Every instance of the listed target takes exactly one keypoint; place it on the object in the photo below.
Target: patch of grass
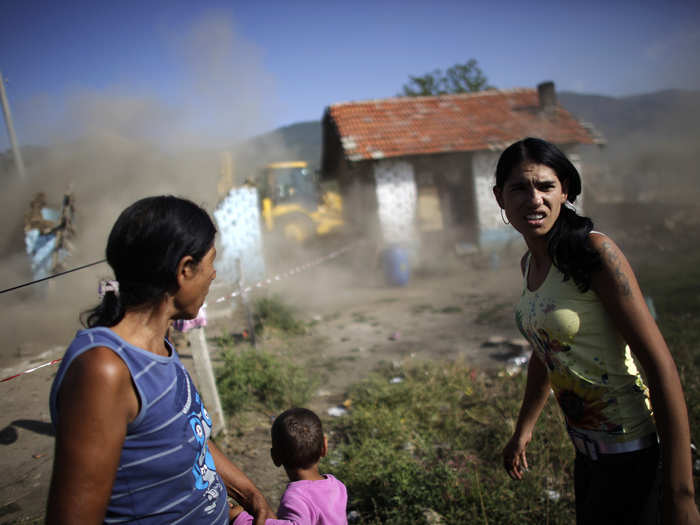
(361, 317)
(250, 378)
(420, 308)
(434, 441)
(273, 312)
(332, 317)
(451, 310)
(387, 300)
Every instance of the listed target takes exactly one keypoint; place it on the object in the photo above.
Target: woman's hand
(234, 511)
(514, 457)
(262, 511)
(681, 510)
(536, 395)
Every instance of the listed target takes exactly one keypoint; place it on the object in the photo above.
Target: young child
(311, 498)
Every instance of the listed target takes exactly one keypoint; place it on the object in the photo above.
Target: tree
(460, 78)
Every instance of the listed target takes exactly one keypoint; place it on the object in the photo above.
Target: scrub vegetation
(251, 378)
(427, 439)
(422, 439)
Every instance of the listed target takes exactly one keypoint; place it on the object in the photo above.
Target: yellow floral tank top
(591, 370)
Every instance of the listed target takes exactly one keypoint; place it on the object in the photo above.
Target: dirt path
(447, 312)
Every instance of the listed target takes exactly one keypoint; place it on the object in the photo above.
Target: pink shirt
(321, 502)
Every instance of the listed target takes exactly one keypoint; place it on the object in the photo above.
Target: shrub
(251, 378)
(274, 313)
(434, 441)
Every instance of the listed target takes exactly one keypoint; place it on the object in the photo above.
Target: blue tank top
(166, 474)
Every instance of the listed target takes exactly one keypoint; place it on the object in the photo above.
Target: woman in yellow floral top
(582, 311)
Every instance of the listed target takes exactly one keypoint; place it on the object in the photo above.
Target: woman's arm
(240, 487)
(622, 298)
(536, 395)
(96, 402)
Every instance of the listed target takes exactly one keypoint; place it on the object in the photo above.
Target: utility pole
(10, 128)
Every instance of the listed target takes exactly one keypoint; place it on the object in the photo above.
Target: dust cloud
(112, 147)
(642, 186)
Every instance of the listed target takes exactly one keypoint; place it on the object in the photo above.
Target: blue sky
(211, 73)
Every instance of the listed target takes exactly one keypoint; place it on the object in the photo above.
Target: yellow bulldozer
(293, 204)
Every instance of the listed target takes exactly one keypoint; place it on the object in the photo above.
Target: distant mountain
(663, 115)
(300, 141)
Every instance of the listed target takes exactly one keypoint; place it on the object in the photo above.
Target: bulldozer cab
(292, 204)
(288, 183)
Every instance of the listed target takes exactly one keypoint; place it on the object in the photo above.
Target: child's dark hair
(145, 246)
(297, 438)
(567, 241)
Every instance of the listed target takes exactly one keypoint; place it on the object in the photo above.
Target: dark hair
(147, 242)
(567, 241)
(297, 438)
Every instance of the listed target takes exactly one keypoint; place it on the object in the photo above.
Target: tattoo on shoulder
(611, 257)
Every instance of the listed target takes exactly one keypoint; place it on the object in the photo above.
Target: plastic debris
(432, 518)
(337, 411)
(495, 340)
(395, 336)
(395, 380)
(552, 495)
(513, 370)
(519, 360)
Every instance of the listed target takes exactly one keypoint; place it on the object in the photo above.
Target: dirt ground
(448, 310)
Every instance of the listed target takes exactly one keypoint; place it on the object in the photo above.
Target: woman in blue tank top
(132, 434)
(582, 311)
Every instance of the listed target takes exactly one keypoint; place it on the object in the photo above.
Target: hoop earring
(503, 217)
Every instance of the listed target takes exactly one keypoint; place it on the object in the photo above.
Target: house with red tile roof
(411, 168)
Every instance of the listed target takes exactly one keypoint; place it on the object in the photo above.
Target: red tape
(31, 370)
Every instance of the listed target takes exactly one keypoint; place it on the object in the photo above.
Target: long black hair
(144, 248)
(567, 241)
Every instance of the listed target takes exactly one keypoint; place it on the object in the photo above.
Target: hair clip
(108, 286)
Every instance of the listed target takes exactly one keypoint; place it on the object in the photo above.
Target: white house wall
(396, 201)
(238, 219)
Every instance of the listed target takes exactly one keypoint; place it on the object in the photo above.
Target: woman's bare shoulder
(605, 246)
(101, 363)
(98, 380)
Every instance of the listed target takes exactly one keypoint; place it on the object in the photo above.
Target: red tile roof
(485, 120)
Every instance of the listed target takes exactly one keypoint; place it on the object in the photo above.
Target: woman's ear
(185, 269)
(498, 193)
